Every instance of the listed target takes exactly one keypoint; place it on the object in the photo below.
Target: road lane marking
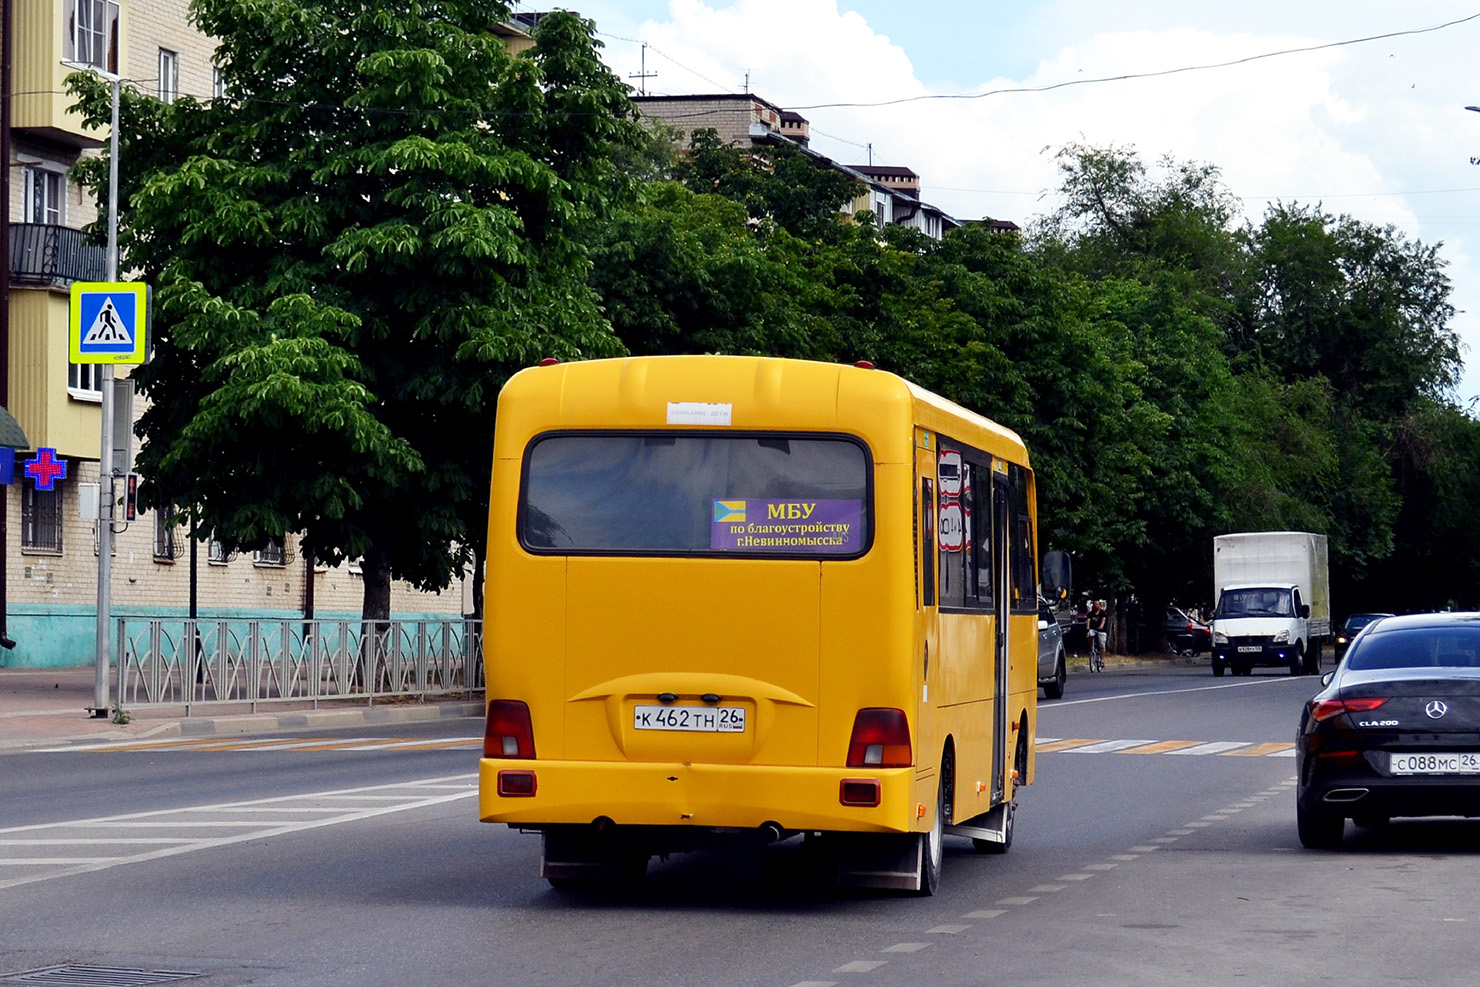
(298, 745)
(906, 947)
(1174, 692)
(1106, 747)
(1161, 747)
(293, 814)
(861, 966)
(1186, 748)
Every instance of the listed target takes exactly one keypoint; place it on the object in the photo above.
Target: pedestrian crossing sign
(108, 322)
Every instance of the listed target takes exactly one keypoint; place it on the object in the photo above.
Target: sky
(1374, 129)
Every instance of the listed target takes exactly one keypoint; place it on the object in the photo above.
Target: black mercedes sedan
(1395, 731)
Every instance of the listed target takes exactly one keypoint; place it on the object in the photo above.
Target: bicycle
(1096, 653)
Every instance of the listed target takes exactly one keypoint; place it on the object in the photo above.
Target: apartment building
(892, 194)
(50, 562)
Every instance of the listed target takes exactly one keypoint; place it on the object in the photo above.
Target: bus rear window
(696, 494)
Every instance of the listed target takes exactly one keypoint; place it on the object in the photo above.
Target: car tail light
(508, 732)
(881, 739)
(860, 791)
(1324, 709)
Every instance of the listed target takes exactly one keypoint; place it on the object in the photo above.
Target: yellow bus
(736, 598)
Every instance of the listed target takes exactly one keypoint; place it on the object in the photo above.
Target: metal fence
(47, 254)
(210, 662)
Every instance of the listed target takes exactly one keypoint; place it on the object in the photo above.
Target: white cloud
(1360, 128)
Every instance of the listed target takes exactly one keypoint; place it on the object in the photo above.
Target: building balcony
(47, 256)
(51, 40)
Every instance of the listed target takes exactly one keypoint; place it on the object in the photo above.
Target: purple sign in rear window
(831, 527)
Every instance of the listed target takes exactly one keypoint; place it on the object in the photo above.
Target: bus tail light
(508, 732)
(881, 739)
(860, 791)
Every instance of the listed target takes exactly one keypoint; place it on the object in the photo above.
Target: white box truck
(1273, 595)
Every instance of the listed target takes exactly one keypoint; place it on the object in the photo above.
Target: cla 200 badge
(1377, 723)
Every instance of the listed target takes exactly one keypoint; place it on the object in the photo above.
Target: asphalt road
(1156, 847)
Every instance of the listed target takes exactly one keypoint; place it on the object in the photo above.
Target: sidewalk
(49, 707)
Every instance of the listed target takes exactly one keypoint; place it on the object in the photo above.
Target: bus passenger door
(927, 637)
(1000, 607)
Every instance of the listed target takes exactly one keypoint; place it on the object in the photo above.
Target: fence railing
(211, 662)
(43, 253)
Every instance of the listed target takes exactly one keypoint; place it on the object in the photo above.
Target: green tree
(379, 222)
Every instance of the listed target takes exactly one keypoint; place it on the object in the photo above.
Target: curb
(254, 723)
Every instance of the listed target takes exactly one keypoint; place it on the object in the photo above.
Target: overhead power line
(1139, 75)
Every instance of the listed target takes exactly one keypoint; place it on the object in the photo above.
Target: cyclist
(1095, 632)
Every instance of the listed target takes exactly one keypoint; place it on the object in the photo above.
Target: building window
(41, 518)
(270, 554)
(216, 551)
(92, 34)
(169, 75)
(218, 84)
(43, 198)
(164, 533)
(85, 381)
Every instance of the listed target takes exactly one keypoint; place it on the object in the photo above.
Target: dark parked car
(1348, 630)
(1185, 635)
(1396, 730)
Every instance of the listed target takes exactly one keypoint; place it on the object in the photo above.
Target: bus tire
(932, 844)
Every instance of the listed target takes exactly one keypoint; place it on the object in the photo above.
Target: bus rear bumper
(721, 796)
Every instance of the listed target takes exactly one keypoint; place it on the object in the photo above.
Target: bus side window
(981, 509)
(1022, 564)
(927, 528)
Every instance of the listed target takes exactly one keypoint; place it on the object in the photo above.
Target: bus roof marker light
(864, 364)
(549, 361)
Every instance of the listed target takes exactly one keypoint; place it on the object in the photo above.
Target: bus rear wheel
(931, 845)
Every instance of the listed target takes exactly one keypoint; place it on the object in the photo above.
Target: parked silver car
(1051, 667)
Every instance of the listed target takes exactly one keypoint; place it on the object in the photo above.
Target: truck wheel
(1297, 664)
(1217, 669)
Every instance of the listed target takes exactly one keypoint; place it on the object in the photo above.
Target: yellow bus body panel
(802, 644)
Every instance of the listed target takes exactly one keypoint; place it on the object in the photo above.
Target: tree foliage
(383, 217)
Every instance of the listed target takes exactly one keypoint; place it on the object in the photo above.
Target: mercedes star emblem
(1436, 709)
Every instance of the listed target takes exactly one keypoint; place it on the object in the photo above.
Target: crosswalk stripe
(1107, 747)
(1161, 747)
(1217, 747)
(1062, 745)
(1261, 750)
(1222, 748)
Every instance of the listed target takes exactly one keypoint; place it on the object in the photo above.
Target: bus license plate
(1434, 764)
(695, 719)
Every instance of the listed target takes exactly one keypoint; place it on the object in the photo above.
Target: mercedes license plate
(695, 719)
(1249, 647)
(1434, 764)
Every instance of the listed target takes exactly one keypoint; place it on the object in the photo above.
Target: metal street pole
(105, 451)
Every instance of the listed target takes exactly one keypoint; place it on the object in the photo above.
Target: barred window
(41, 518)
(270, 553)
(164, 533)
(216, 551)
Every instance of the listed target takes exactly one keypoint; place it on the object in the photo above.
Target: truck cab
(1261, 624)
